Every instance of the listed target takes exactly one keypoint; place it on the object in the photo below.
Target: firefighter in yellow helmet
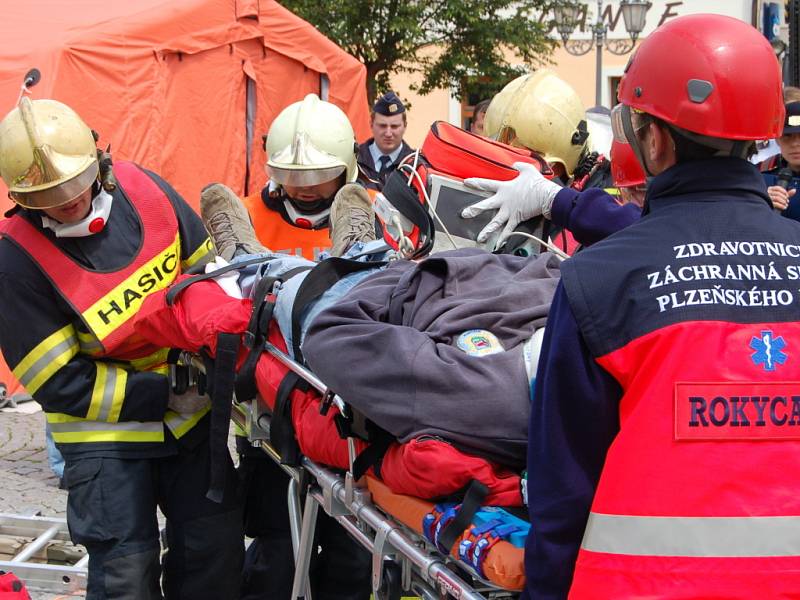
(541, 112)
(77, 258)
(312, 170)
(311, 150)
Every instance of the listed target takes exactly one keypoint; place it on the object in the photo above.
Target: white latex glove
(526, 196)
(229, 281)
(187, 403)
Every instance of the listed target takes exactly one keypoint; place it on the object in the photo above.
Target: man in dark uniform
(650, 471)
(77, 258)
(380, 155)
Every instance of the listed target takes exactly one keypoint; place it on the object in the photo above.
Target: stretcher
(388, 525)
(455, 548)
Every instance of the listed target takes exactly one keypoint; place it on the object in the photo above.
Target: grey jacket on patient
(436, 348)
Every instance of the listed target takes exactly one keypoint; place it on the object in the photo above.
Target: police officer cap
(792, 124)
(389, 104)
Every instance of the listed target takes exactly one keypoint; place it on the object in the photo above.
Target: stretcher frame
(402, 560)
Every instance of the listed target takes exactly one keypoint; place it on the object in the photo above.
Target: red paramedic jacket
(695, 311)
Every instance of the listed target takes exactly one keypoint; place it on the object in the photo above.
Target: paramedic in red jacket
(76, 261)
(663, 435)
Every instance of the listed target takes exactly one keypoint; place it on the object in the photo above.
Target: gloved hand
(526, 196)
(187, 403)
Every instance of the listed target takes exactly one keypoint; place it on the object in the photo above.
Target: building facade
(580, 71)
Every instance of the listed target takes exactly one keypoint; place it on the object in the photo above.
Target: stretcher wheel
(391, 582)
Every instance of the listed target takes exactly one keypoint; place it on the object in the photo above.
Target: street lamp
(566, 14)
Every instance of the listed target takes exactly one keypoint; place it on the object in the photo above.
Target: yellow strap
(204, 253)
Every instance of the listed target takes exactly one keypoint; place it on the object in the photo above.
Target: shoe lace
(221, 229)
(358, 224)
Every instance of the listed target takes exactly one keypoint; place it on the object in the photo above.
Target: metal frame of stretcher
(402, 560)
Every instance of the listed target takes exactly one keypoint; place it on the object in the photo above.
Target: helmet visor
(294, 176)
(57, 195)
(625, 132)
(622, 125)
(617, 123)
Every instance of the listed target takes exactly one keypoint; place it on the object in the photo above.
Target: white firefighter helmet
(311, 142)
(541, 112)
(48, 155)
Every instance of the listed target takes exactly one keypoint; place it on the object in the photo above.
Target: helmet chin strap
(92, 223)
(315, 219)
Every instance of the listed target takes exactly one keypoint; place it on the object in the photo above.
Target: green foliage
(471, 36)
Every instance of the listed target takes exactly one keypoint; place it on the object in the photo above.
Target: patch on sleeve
(479, 342)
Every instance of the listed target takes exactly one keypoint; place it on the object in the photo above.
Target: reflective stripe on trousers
(693, 536)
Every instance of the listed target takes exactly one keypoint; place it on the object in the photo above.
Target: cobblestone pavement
(27, 486)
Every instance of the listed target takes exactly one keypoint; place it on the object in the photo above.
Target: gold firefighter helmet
(541, 112)
(311, 142)
(48, 155)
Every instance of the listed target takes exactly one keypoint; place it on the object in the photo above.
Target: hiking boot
(228, 222)
(352, 218)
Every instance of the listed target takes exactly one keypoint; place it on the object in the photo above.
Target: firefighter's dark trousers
(111, 510)
(340, 568)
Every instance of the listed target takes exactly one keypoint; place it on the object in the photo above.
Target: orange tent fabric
(168, 82)
(12, 385)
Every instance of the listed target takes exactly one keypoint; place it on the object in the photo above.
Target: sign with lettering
(660, 12)
(737, 411)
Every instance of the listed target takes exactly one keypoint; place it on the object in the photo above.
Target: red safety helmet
(709, 74)
(625, 169)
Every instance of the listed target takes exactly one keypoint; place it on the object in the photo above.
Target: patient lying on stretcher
(439, 353)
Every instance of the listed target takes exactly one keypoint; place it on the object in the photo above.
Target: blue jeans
(278, 264)
(54, 458)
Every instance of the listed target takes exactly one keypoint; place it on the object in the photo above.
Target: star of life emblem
(768, 350)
